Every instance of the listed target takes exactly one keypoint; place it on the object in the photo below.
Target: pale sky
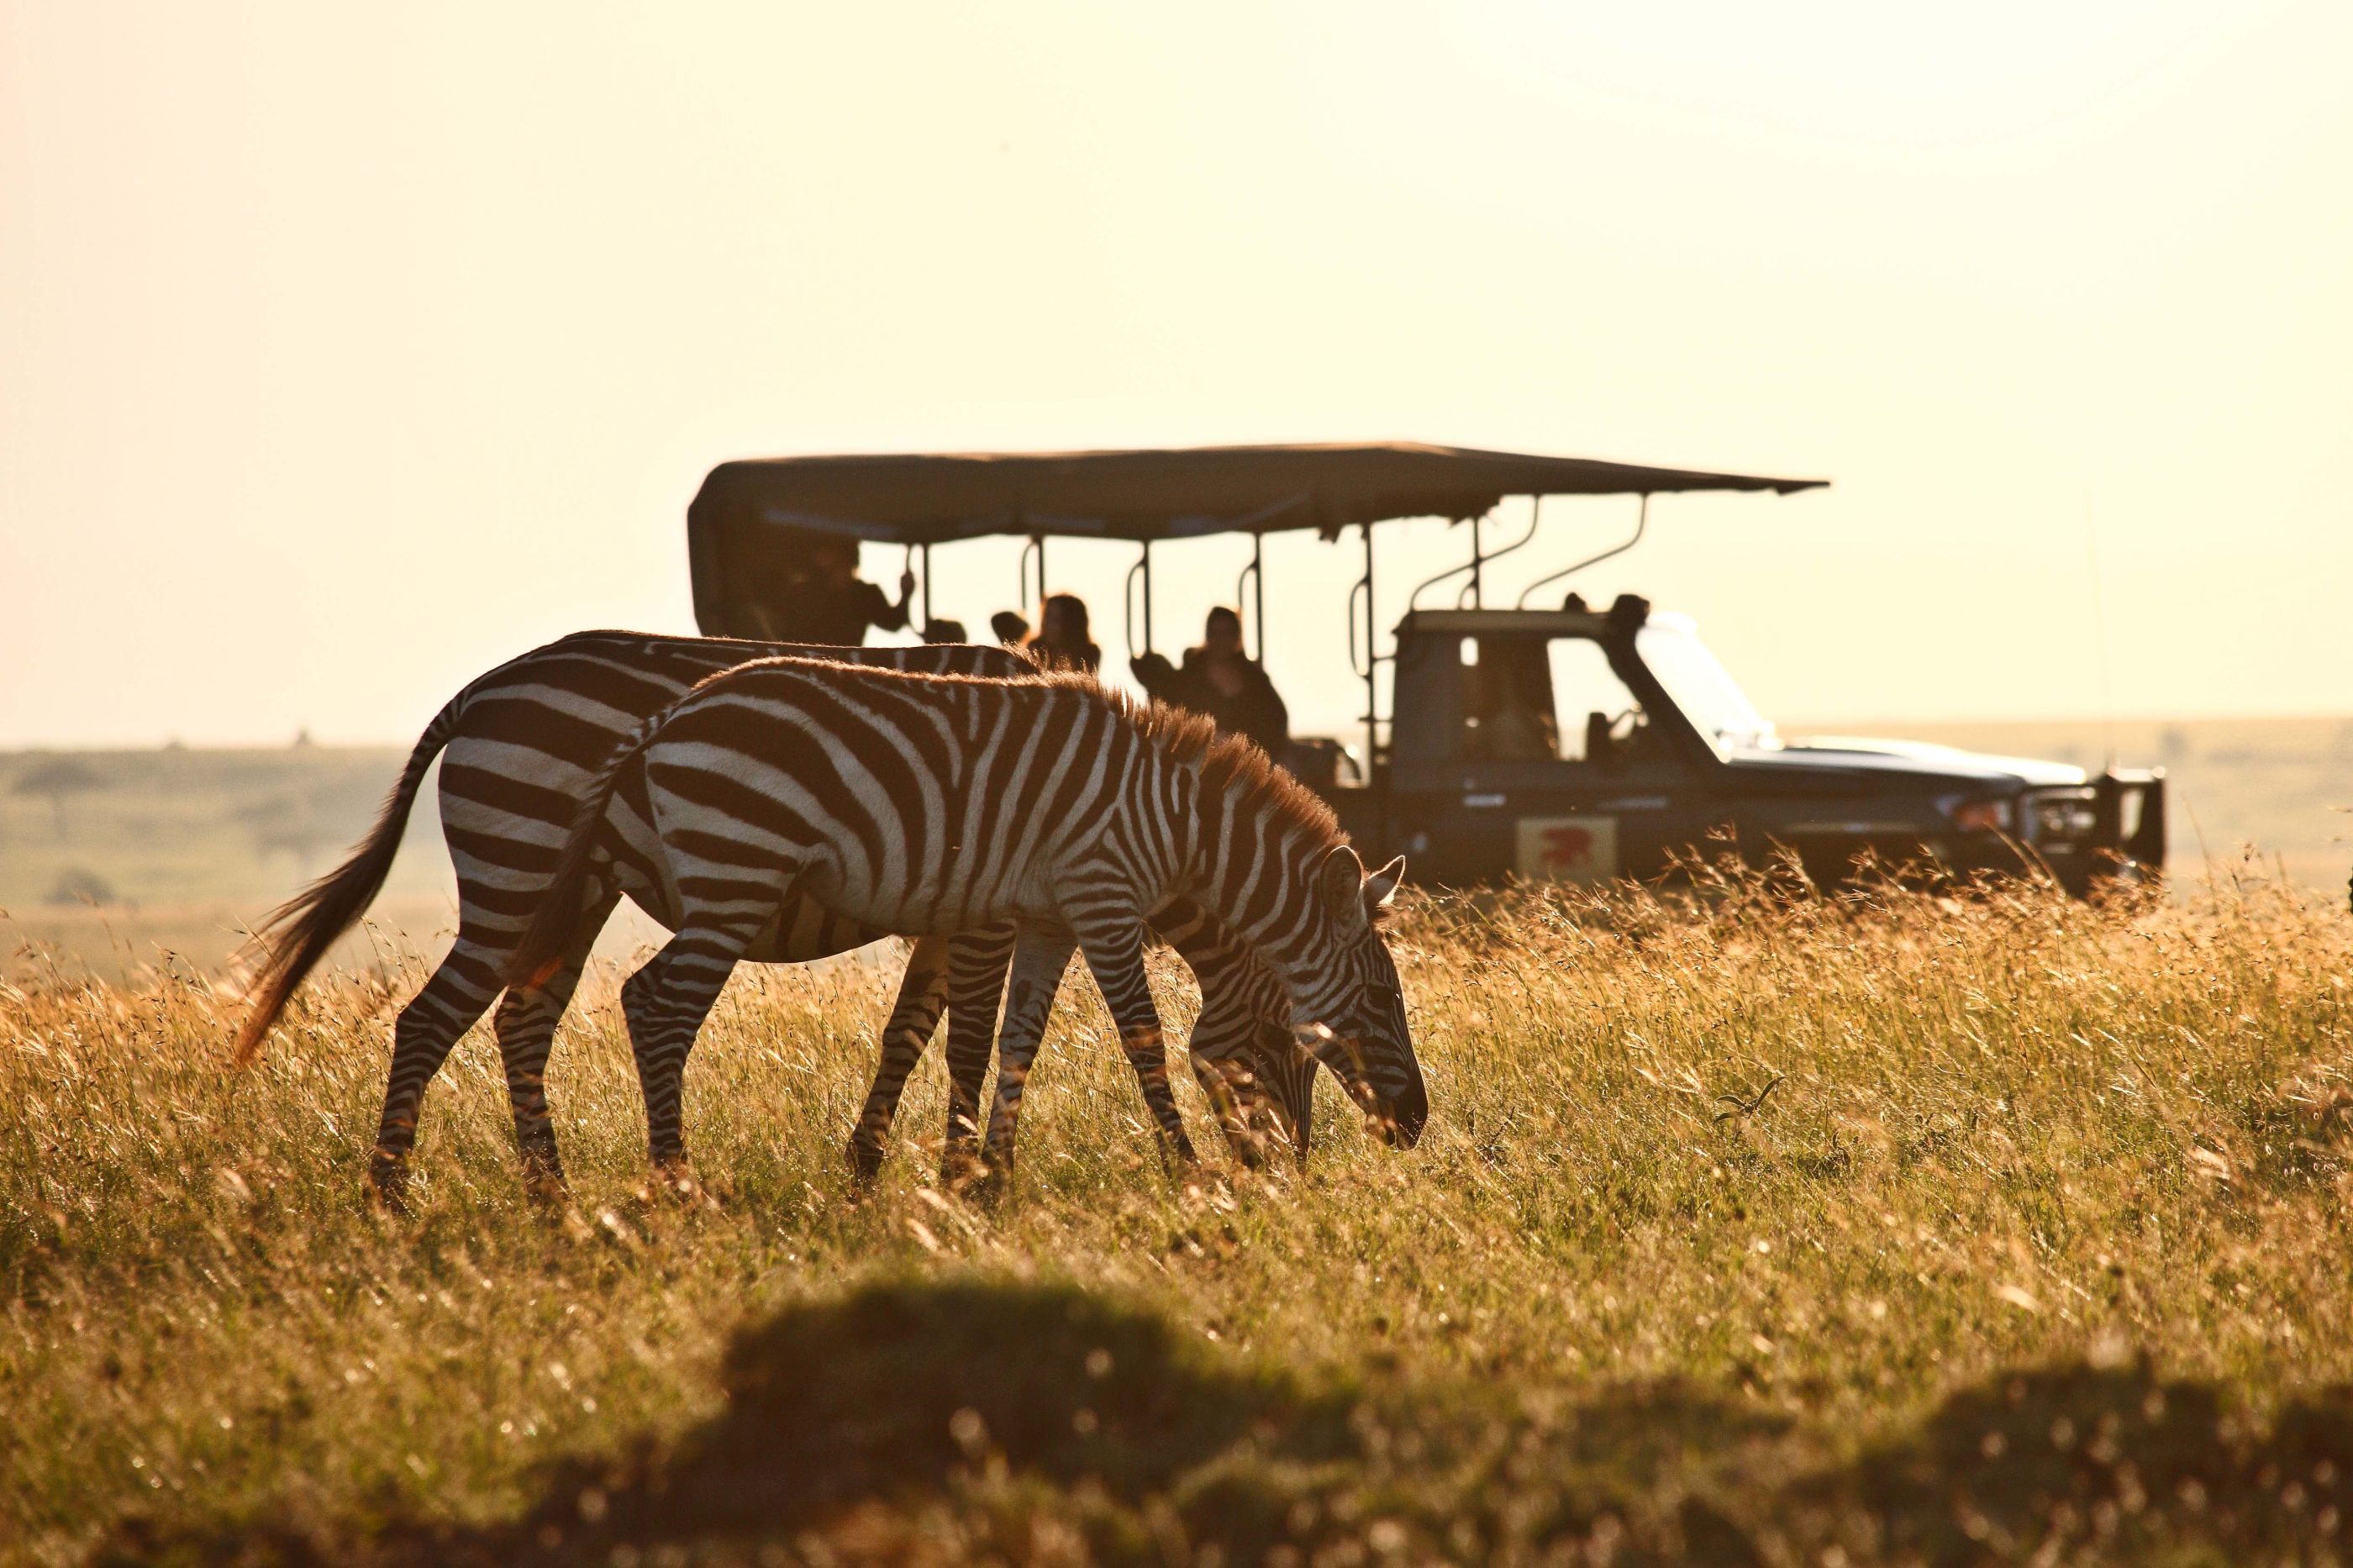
(346, 351)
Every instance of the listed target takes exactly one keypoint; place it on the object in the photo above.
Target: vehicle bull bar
(2129, 817)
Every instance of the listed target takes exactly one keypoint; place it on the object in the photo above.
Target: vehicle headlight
(1982, 816)
(2061, 815)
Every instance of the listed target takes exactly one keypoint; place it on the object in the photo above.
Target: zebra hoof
(962, 1170)
(387, 1187)
(543, 1187)
(865, 1164)
(983, 1179)
(1248, 1147)
(673, 1180)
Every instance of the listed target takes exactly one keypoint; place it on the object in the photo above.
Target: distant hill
(177, 826)
(107, 857)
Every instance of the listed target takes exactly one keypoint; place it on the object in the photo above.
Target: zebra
(521, 741)
(936, 804)
(1259, 1085)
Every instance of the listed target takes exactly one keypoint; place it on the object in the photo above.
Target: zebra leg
(1244, 1031)
(459, 989)
(664, 1016)
(1272, 1080)
(1039, 961)
(1219, 1050)
(976, 971)
(1230, 1085)
(1290, 1073)
(923, 994)
(640, 998)
(1115, 953)
(526, 1023)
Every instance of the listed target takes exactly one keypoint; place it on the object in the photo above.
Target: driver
(1513, 726)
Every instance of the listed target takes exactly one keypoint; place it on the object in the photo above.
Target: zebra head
(1364, 1037)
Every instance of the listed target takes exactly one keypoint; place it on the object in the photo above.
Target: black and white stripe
(1259, 1080)
(518, 746)
(1259, 1085)
(938, 806)
(522, 742)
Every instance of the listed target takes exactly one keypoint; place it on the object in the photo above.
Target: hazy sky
(346, 350)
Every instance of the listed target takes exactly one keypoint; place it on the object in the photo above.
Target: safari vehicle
(1569, 743)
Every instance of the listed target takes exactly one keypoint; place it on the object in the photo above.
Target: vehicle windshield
(1700, 686)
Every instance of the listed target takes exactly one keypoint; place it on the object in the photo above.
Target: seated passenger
(1062, 640)
(822, 600)
(1221, 682)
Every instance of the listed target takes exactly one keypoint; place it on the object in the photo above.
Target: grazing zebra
(939, 805)
(1259, 1083)
(521, 743)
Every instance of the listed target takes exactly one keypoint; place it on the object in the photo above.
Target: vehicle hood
(1848, 754)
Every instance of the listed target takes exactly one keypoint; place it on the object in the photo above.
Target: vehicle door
(1560, 774)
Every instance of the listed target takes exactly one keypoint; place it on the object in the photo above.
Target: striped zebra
(939, 805)
(1259, 1084)
(520, 744)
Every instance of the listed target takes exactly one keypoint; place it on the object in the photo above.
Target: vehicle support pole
(927, 585)
(1142, 568)
(1477, 560)
(1041, 578)
(1372, 664)
(1257, 591)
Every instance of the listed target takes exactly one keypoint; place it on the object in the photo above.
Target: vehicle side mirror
(1598, 746)
(1628, 614)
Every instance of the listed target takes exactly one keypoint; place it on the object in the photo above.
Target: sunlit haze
(345, 351)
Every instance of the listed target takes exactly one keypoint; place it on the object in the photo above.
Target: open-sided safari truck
(1559, 740)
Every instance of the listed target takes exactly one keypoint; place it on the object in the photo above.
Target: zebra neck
(1251, 870)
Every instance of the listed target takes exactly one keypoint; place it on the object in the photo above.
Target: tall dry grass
(1758, 1196)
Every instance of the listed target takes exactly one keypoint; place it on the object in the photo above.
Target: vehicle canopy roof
(1574, 623)
(1150, 495)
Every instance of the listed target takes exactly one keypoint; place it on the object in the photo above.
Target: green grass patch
(1912, 1231)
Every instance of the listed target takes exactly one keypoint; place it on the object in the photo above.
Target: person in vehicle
(1222, 683)
(821, 600)
(1010, 628)
(1513, 725)
(943, 630)
(1062, 640)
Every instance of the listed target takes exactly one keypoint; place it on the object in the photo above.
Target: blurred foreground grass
(1914, 1230)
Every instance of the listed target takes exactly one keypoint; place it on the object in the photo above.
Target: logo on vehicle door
(1580, 849)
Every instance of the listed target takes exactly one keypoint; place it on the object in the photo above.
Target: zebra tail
(547, 940)
(288, 944)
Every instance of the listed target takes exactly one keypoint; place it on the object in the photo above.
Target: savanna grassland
(109, 858)
(1900, 1230)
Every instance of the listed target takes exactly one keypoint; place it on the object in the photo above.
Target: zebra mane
(1228, 761)
(1234, 761)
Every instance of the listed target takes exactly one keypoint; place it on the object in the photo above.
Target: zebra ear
(1340, 880)
(1382, 885)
